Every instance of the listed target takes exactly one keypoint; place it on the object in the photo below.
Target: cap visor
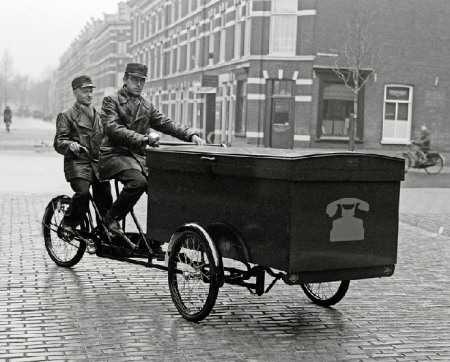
(138, 75)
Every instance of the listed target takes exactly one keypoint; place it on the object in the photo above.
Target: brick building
(259, 72)
(101, 50)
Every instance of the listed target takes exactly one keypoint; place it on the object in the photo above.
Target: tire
(326, 294)
(63, 252)
(438, 164)
(193, 276)
(406, 157)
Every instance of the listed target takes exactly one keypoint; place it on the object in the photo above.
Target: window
(336, 109)
(284, 27)
(237, 36)
(223, 34)
(188, 50)
(247, 36)
(397, 114)
(241, 108)
(222, 45)
(211, 42)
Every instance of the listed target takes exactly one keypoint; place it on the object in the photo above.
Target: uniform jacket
(123, 147)
(74, 125)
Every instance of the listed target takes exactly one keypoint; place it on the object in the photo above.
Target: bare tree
(6, 65)
(358, 57)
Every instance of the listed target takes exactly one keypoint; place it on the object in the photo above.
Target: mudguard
(50, 207)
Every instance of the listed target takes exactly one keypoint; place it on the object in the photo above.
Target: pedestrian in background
(78, 137)
(127, 119)
(7, 117)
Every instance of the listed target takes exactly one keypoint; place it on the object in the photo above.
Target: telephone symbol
(347, 227)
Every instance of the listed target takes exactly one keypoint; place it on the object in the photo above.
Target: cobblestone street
(107, 310)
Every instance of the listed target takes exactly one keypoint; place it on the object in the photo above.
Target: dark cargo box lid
(294, 165)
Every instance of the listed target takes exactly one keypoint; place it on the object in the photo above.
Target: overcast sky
(37, 32)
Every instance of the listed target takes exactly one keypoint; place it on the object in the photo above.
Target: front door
(281, 132)
(281, 114)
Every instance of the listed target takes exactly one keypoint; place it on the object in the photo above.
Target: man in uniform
(127, 119)
(79, 132)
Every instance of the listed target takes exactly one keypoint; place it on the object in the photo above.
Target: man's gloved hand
(152, 139)
(199, 141)
(75, 147)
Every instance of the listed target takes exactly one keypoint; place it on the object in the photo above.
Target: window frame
(396, 140)
(273, 41)
(327, 76)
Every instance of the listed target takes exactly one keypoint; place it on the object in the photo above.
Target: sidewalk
(426, 208)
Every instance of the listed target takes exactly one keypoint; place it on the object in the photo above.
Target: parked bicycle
(433, 164)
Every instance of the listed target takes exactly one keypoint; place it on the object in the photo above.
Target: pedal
(122, 237)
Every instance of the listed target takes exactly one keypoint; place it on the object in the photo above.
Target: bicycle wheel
(193, 276)
(64, 252)
(326, 294)
(436, 164)
(406, 157)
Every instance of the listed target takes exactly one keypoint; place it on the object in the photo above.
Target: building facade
(260, 72)
(101, 50)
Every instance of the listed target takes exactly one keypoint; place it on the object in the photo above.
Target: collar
(125, 96)
(80, 116)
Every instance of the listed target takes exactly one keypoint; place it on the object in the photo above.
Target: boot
(113, 226)
(65, 230)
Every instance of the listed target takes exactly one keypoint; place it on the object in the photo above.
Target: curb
(426, 225)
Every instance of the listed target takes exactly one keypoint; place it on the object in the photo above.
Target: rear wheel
(326, 294)
(193, 276)
(65, 252)
(436, 163)
(407, 159)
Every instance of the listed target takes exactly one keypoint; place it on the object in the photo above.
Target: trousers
(101, 193)
(134, 185)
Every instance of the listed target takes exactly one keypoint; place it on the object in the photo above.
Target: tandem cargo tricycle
(241, 215)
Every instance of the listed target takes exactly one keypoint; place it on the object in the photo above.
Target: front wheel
(407, 159)
(64, 252)
(326, 294)
(434, 163)
(193, 276)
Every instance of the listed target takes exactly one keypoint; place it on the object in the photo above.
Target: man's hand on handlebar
(199, 141)
(75, 147)
(152, 139)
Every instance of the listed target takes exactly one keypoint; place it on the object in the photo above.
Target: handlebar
(181, 143)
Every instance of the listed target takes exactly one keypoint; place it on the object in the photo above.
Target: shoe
(65, 230)
(113, 226)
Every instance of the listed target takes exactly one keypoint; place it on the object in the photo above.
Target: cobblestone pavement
(104, 310)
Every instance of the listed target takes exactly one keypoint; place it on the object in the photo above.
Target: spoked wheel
(406, 157)
(436, 163)
(64, 252)
(193, 276)
(326, 294)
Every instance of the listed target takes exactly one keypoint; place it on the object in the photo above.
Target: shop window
(397, 114)
(335, 111)
(284, 27)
